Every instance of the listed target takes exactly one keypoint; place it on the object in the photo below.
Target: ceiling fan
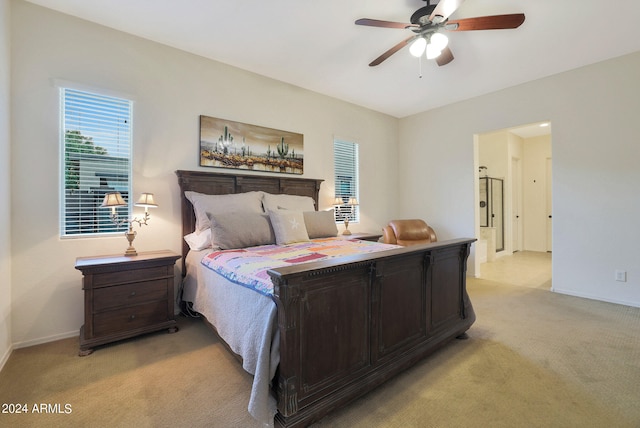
(427, 24)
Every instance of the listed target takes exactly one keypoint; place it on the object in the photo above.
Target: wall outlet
(621, 275)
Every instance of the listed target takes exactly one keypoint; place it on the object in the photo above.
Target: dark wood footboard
(347, 326)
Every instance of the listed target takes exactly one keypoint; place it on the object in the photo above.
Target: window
(96, 145)
(345, 159)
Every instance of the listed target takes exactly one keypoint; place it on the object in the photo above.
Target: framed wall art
(228, 144)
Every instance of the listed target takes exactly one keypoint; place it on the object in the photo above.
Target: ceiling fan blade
(444, 9)
(494, 22)
(445, 57)
(383, 24)
(391, 51)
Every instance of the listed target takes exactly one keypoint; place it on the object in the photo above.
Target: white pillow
(273, 202)
(199, 240)
(288, 226)
(221, 204)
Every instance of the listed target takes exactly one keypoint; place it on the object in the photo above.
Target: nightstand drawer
(130, 275)
(129, 294)
(130, 318)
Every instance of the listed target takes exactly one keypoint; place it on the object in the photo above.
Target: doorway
(520, 158)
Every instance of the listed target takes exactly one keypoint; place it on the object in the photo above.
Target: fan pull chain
(420, 66)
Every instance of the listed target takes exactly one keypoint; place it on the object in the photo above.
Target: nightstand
(126, 296)
(373, 237)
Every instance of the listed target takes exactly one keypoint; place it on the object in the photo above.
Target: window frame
(90, 220)
(346, 174)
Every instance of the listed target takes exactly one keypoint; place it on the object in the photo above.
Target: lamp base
(131, 252)
(130, 235)
(346, 227)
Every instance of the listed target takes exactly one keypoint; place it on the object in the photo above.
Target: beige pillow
(288, 226)
(220, 204)
(272, 202)
(320, 224)
(241, 230)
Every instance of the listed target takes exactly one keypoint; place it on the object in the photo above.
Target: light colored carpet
(534, 359)
(524, 268)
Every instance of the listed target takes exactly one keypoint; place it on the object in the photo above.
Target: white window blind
(96, 145)
(345, 159)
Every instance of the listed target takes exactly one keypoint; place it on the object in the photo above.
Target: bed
(332, 329)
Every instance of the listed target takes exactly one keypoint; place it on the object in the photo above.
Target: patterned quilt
(248, 266)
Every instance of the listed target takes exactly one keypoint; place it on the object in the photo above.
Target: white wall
(493, 149)
(595, 173)
(170, 89)
(5, 185)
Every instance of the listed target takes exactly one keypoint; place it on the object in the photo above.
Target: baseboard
(47, 339)
(591, 297)
(5, 357)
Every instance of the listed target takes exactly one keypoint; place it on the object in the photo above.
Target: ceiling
(314, 44)
(532, 130)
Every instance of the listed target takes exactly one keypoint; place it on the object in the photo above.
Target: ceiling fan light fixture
(433, 51)
(426, 24)
(417, 47)
(439, 41)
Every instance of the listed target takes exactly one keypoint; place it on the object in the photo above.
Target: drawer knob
(133, 293)
(132, 317)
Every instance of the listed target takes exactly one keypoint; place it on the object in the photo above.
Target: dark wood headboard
(213, 183)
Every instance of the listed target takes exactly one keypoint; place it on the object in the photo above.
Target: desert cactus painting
(228, 144)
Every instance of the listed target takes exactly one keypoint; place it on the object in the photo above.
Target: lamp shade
(113, 199)
(417, 47)
(439, 41)
(353, 201)
(146, 200)
(433, 51)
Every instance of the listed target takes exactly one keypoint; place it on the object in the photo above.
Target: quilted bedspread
(248, 266)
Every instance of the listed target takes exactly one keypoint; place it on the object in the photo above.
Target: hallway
(525, 269)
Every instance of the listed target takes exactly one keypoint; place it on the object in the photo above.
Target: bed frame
(349, 324)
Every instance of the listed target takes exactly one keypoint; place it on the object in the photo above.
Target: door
(548, 205)
(496, 202)
(516, 205)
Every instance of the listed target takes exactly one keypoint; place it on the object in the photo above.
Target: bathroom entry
(492, 206)
(514, 166)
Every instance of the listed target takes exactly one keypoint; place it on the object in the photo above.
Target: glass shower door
(492, 207)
